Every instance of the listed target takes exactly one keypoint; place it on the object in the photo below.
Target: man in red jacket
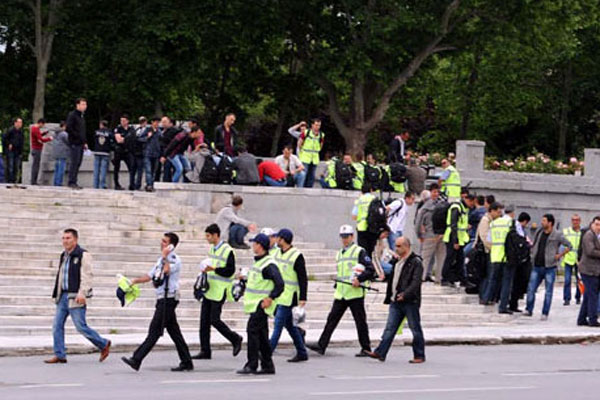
(37, 145)
(271, 174)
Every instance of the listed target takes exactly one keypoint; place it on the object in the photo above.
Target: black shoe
(131, 362)
(243, 246)
(584, 323)
(237, 346)
(447, 284)
(246, 371)
(316, 348)
(201, 356)
(595, 324)
(266, 371)
(363, 353)
(505, 312)
(76, 187)
(183, 367)
(528, 313)
(578, 302)
(149, 189)
(298, 358)
(515, 310)
(429, 279)
(119, 187)
(566, 303)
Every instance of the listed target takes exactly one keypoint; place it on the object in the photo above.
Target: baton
(360, 286)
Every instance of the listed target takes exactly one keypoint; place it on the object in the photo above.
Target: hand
(252, 228)
(381, 277)
(150, 133)
(80, 299)
(163, 160)
(557, 257)
(400, 297)
(165, 252)
(456, 246)
(355, 283)
(266, 303)
(302, 303)
(208, 268)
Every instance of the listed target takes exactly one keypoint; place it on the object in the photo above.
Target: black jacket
(15, 137)
(74, 271)
(103, 141)
(129, 136)
(220, 138)
(76, 128)
(409, 283)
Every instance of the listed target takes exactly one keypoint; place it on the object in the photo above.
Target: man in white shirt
(292, 166)
(397, 212)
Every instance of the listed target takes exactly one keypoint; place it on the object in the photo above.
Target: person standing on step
(61, 151)
(310, 144)
(37, 145)
(397, 212)
(455, 237)
(292, 267)
(220, 276)
(14, 140)
(72, 288)
(354, 269)
(569, 262)
(264, 286)
(403, 294)
(165, 278)
(77, 139)
(589, 266)
(124, 134)
(102, 147)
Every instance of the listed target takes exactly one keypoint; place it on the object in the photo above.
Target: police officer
(272, 235)
(165, 277)
(292, 267)
(123, 136)
(367, 240)
(353, 268)
(264, 286)
(569, 262)
(310, 145)
(450, 180)
(499, 229)
(455, 237)
(220, 276)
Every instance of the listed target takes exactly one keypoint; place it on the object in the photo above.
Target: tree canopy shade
(516, 73)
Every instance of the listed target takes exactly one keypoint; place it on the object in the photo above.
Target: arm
(172, 145)
(86, 278)
(231, 216)
(454, 215)
(566, 244)
(589, 248)
(369, 272)
(298, 163)
(300, 268)
(229, 268)
(271, 272)
(294, 131)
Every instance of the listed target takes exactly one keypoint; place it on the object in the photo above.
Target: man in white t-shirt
(397, 212)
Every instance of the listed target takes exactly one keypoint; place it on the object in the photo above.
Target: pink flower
(573, 160)
(581, 163)
(531, 159)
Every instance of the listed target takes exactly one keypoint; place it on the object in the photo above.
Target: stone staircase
(122, 231)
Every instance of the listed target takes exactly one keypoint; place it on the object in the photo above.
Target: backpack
(343, 176)
(210, 171)
(372, 175)
(516, 248)
(439, 216)
(397, 172)
(225, 171)
(376, 216)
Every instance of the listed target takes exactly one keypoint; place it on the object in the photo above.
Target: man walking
(354, 268)
(292, 267)
(72, 288)
(310, 145)
(545, 254)
(102, 147)
(220, 274)
(37, 145)
(165, 278)
(403, 294)
(569, 262)
(265, 284)
(589, 266)
(77, 139)
(14, 140)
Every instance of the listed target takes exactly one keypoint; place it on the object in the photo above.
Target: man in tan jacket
(72, 288)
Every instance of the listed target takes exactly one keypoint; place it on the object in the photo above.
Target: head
(496, 210)
(213, 234)
(41, 122)
(302, 127)
(124, 120)
(409, 198)
(346, 235)
(237, 202)
(402, 247)
(195, 133)
(155, 121)
(359, 156)
(445, 163)
(489, 200)
(18, 123)
(347, 159)
(510, 211)
(166, 122)
(548, 222)
(103, 124)
(425, 195)
(434, 188)
(81, 104)
(285, 238)
(524, 219)
(143, 121)
(595, 226)
(480, 201)
(169, 238)
(260, 244)
(192, 122)
(69, 239)
(315, 125)
(366, 188)
(371, 160)
(271, 234)
(576, 222)
(464, 192)
(469, 200)
(287, 151)
(229, 119)
(63, 125)
(405, 136)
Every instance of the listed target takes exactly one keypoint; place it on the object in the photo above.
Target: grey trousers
(433, 252)
(36, 156)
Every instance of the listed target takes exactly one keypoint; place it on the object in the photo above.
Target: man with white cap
(272, 235)
(354, 269)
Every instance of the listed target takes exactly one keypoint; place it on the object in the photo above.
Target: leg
(266, 355)
(295, 334)
(549, 277)
(310, 175)
(139, 171)
(149, 169)
(577, 291)
(280, 317)
(333, 319)
(448, 263)
(394, 319)
(492, 284)
(178, 168)
(175, 333)
(154, 333)
(78, 317)
(205, 327)
(414, 321)
(237, 233)
(1, 168)
(586, 304)
(10, 167)
(58, 327)
(97, 162)
(253, 333)
(75, 163)
(130, 162)
(63, 167)
(440, 257)
(216, 321)
(357, 307)
(534, 282)
(117, 169)
(103, 171)
(507, 285)
(300, 178)
(567, 285)
(272, 182)
(35, 167)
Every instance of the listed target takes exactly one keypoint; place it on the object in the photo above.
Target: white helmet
(267, 231)
(346, 230)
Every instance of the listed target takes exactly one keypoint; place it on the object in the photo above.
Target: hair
(228, 114)
(194, 120)
(480, 200)
(80, 99)
(173, 238)
(496, 206)
(213, 229)
(596, 218)
(471, 196)
(17, 119)
(434, 186)
(237, 201)
(490, 199)
(549, 218)
(41, 121)
(366, 187)
(409, 194)
(289, 147)
(425, 195)
(155, 118)
(314, 120)
(73, 232)
(524, 217)
(464, 190)
(126, 116)
(104, 123)
(169, 118)
(62, 123)
(194, 129)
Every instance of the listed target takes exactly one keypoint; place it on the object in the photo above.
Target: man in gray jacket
(545, 255)
(589, 267)
(233, 227)
(432, 245)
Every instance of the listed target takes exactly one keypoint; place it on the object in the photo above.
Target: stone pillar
(470, 155)
(592, 163)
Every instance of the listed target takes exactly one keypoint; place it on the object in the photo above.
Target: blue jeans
(150, 164)
(569, 270)
(59, 171)
(310, 169)
(138, 163)
(283, 318)
(100, 170)
(392, 239)
(180, 163)
(1, 168)
(14, 164)
(508, 275)
(237, 233)
(300, 178)
(387, 267)
(588, 314)
(397, 313)
(537, 275)
(323, 184)
(272, 182)
(484, 283)
(493, 282)
(78, 317)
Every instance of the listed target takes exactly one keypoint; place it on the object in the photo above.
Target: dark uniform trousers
(357, 307)
(157, 328)
(367, 240)
(129, 160)
(259, 347)
(210, 315)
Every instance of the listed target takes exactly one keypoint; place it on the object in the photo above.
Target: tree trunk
(39, 99)
(563, 123)
(278, 131)
(356, 140)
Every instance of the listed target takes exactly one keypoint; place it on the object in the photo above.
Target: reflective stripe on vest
(309, 153)
(258, 288)
(451, 186)
(285, 264)
(574, 238)
(345, 262)
(219, 285)
(499, 229)
(362, 204)
(462, 226)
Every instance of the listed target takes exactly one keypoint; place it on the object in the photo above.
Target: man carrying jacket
(403, 294)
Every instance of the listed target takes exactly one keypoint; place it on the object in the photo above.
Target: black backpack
(343, 176)
(376, 216)
(397, 172)
(439, 216)
(372, 176)
(516, 247)
(225, 171)
(209, 172)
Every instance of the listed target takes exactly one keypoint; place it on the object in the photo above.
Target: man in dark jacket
(397, 149)
(167, 134)
(403, 294)
(226, 136)
(77, 139)
(517, 247)
(151, 138)
(124, 134)
(14, 141)
(589, 267)
(247, 170)
(176, 149)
